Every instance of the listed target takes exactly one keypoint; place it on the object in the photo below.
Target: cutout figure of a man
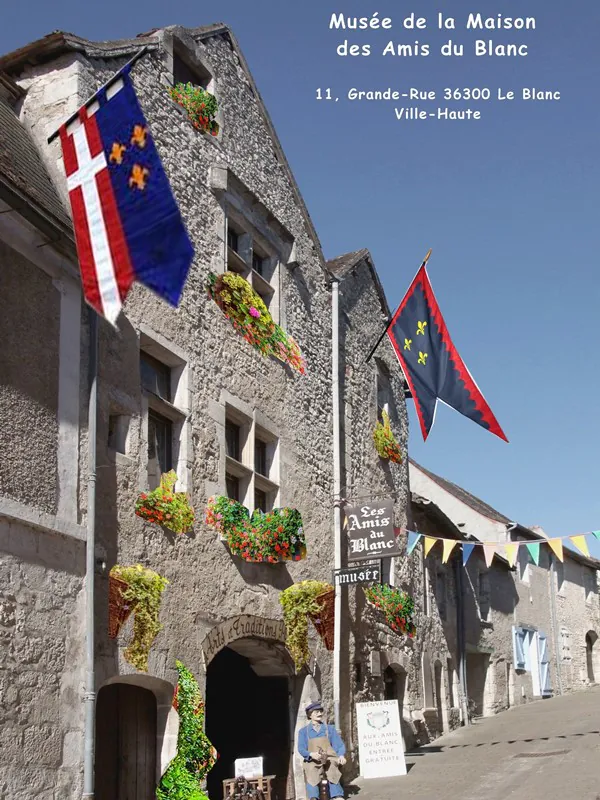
(320, 746)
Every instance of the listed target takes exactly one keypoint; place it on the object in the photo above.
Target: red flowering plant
(397, 606)
(165, 507)
(251, 318)
(200, 105)
(269, 537)
(385, 441)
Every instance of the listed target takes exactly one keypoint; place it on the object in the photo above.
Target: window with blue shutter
(518, 647)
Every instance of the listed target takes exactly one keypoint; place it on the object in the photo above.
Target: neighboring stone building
(531, 631)
(180, 388)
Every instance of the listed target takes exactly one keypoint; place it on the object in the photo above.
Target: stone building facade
(529, 631)
(180, 388)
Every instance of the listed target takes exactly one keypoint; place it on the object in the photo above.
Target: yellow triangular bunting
(489, 551)
(512, 551)
(557, 547)
(449, 545)
(429, 542)
(580, 543)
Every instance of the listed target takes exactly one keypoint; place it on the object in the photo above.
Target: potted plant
(165, 507)
(251, 318)
(300, 601)
(195, 754)
(144, 591)
(398, 607)
(269, 537)
(200, 106)
(385, 441)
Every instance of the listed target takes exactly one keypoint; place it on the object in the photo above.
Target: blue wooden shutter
(518, 647)
(545, 684)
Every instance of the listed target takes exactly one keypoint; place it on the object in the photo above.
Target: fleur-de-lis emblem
(138, 177)
(422, 358)
(421, 328)
(139, 136)
(407, 344)
(116, 153)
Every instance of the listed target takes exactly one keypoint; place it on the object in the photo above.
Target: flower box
(165, 507)
(385, 441)
(251, 318)
(199, 105)
(398, 608)
(270, 537)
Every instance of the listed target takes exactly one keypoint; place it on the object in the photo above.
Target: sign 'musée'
(241, 627)
(371, 530)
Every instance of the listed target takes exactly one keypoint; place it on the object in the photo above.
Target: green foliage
(251, 318)
(385, 441)
(201, 106)
(298, 601)
(397, 606)
(163, 506)
(145, 588)
(195, 754)
(273, 536)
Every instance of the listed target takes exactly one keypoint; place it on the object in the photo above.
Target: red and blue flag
(127, 224)
(430, 362)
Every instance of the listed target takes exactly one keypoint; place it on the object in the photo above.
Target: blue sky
(508, 203)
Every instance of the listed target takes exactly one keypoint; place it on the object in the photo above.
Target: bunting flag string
(508, 550)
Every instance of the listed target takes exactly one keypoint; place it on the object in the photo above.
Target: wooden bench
(263, 785)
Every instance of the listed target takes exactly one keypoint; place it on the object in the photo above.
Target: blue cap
(313, 707)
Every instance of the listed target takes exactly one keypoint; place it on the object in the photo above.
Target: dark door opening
(246, 715)
(590, 640)
(125, 767)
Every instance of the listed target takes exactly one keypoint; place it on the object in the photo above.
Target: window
(484, 596)
(183, 72)
(254, 262)
(559, 568)
(251, 466)
(440, 593)
(160, 450)
(258, 262)
(523, 564)
(384, 390)
(164, 378)
(591, 584)
(232, 239)
(156, 376)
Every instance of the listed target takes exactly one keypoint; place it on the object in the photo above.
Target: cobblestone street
(547, 749)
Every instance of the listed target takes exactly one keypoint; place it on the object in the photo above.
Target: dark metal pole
(89, 697)
(391, 319)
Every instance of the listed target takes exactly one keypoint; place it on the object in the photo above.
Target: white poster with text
(381, 751)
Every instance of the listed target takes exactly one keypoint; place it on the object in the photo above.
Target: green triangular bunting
(534, 552)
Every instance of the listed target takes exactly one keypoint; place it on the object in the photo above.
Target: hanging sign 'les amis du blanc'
(370, 528)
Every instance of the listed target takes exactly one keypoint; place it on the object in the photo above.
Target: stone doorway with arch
(136, 736)
(592, 651)
(251, 704)
(394, 683)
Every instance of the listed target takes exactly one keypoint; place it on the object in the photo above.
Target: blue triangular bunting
(467, 549)
(413, 538)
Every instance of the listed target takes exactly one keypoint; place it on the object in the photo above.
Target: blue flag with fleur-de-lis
(430, 362)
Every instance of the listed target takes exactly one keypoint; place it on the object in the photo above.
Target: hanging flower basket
(269, 537)
(142, 590)
(324, 621)
(398, 608)
(165, 507)
(200, 106)
(195, 754)
(119, 608)
(299, 602)
(251, 318)
(385, 441)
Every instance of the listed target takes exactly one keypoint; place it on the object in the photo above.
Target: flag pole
(387, 327)
(110, 81)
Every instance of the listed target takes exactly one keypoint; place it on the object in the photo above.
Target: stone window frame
(254, 426)
(484, 606)
(590, 585)
(178, 412)
(257, 229)
(524, 565)
(179, 45)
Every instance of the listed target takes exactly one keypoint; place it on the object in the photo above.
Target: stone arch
(167, 719)
(592, 652)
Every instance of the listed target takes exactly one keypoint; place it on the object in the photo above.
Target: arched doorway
(248, 713)
(125, 763)
(591, 638)
(439, 705)
(394, 682)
